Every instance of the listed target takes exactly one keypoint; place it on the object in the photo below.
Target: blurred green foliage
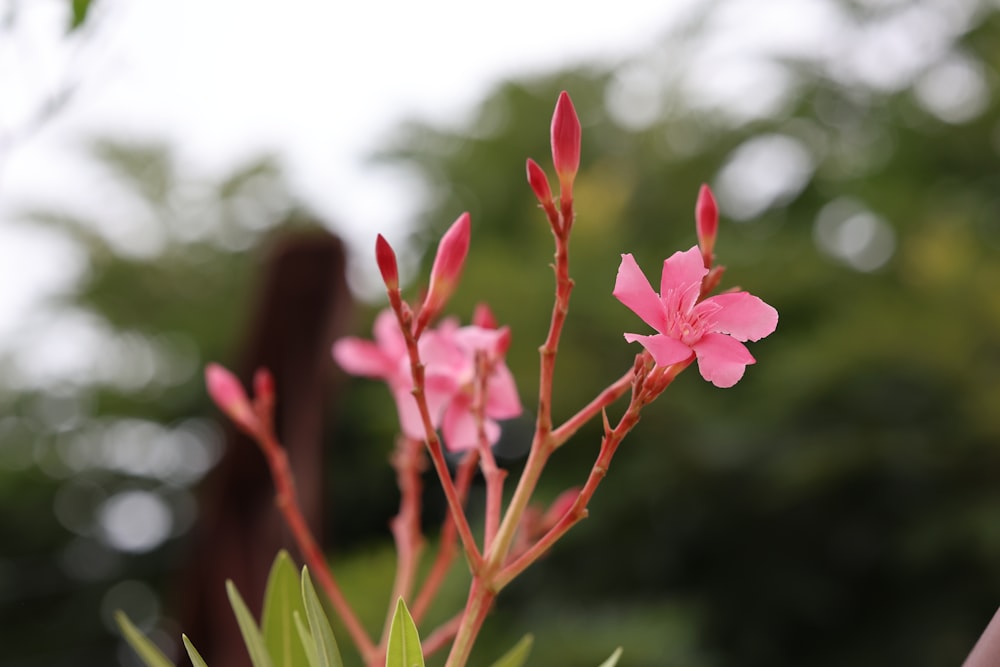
(839, 506)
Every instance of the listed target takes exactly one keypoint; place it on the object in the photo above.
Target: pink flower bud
(565, 143)
(483, 317)
(447, 269)
(706, 215)
(539, 183)
(386, 260)
(263, 385)
(229, 396)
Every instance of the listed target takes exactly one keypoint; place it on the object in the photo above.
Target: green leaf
(517, 656)
(196, 658)
(307, 641)
(404, 641)
(79, 13)
(147, 650)
(248, 627)
(282, 598)
(327, 654)
(613, 660)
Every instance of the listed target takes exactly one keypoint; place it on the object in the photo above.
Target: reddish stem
(433, 442)
(405, 526)
(438, 639)
(286, 499)
(542, 444)
(446, 548)
(493, 475)
(645, 388)
(603, 400)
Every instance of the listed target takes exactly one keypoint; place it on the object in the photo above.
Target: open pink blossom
(713, 330)
(449, 356)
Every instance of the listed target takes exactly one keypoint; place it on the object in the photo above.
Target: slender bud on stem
(386, 260)
(565, 144)
(229, 396)
(447, 269)
(539, 183)
(263, 385)
(483, 317)
(706, 215)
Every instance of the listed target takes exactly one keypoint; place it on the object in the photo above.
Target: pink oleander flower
(449, 356)
(713, 330)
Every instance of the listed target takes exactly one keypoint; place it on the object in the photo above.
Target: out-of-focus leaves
(256, 648)
(403, 649)
(613, 660)
(192, 652)
(149, 652)
(325, 646)
(518, 655)
(282, 600)
(79, 9)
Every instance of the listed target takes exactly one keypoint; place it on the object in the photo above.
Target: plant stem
(405, 526)
(433, 443)
(286, 499)
(480, 599)
(542, 444)
(603, 400)
(446, 547)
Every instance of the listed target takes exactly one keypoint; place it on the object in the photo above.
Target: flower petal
(362, 357)
(388, 336)
(665, 350)
(459, 428)
(410, 421)
(502, 401)
(741, 315)
(633, 289)
(722, 359)
(680, 282)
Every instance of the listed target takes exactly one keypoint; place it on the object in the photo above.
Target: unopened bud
(539, 183)
(386, 260)
(447, 269)
(229, 396)
(566, 144)
(263, 385)
(706, 215)
(483, 317)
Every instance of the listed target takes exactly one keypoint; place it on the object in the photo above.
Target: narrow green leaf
(517, 656)
(78, 15)
(248, 627)
(404, 641)
(307, 641)
(147, 650)
(327, 654)
(613, 660)
(196, 658)
(282, 598)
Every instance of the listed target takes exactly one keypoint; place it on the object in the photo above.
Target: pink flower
(713, 330)
(449, 356)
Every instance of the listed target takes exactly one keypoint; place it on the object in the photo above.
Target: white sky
(318, 82)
